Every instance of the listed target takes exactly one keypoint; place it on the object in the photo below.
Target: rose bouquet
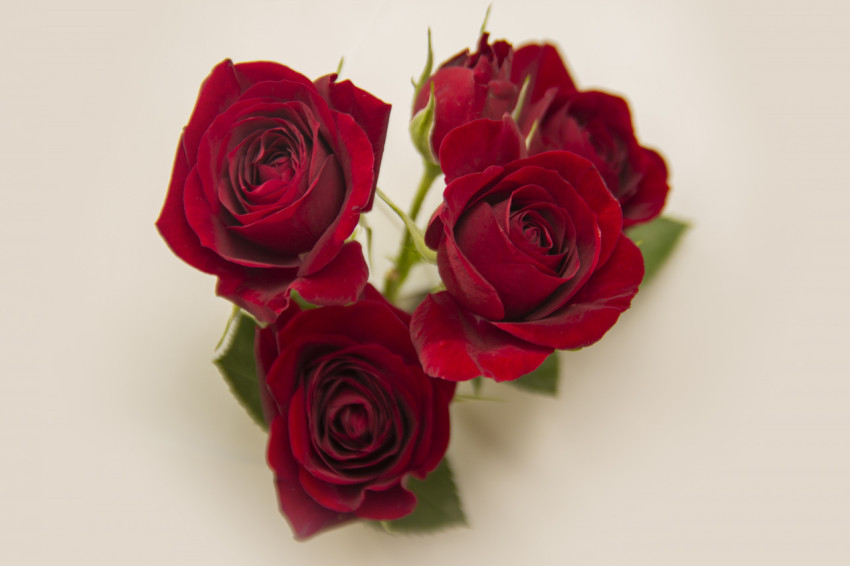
(549, 223)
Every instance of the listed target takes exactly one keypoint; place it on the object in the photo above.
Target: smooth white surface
(711, 426)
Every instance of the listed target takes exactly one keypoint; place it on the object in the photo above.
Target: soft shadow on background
(710, 426)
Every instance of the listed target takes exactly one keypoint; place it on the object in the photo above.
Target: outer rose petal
(652, 191)
(456, 92)
(458, 346)
(174, 227)
(305, 516)
(220, 89)
(253, 72)
(262, 292)
(265, 352)
(370, 113)
(593, 310)
(387, 505)
(477, 145)
(357, 161)
(339, 282)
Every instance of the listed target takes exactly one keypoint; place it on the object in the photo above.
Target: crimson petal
(458, 346)
(593, 310)
(476, 145)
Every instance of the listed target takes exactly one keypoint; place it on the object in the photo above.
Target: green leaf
(522, 99)
(656, 241)
(239, 368)
(543, 380)
(437, 504)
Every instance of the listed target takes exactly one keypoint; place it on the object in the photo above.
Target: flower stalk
(407, 255)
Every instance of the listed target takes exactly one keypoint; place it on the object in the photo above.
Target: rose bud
(531, 254)
(270, 177)
(351, 413)
(467, 87)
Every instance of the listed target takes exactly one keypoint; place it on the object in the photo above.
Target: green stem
(407, 256)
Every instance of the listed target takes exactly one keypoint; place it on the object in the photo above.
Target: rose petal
(251, 73)
(582, 175)
(387, 505)
(593, 310)
(214, 234)
(261, 292)
(466, 283)
(476, 145)
(297, 227)
(354, 156)
(218, 91)
(338, 282)
(369, 112)
(520, 284)
(174, 227)
(457, 346)
(431, 453)
(305, 516)
(652, 192)
(342, 498)
(266, 352)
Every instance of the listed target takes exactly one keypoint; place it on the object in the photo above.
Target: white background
(711, 426)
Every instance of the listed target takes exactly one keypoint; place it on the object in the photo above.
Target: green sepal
(522, 99)
(656, 241)
(437, 504)
(486, 19)
(426, 72)
(303, 303)
(421, 128)
(543, 380)
(239, 367)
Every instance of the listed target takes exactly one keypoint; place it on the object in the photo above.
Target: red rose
(468, 87)
(595, 125)
(530, 252)
(598, 126)
(351, 413)
(270, 177)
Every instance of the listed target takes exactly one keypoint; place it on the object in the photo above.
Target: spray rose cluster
(274, 172)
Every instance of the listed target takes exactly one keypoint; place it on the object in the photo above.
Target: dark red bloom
(271, 175)
(593, 124)
(531, 253)
(598, 126)
(352, 414)
(468, 87)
